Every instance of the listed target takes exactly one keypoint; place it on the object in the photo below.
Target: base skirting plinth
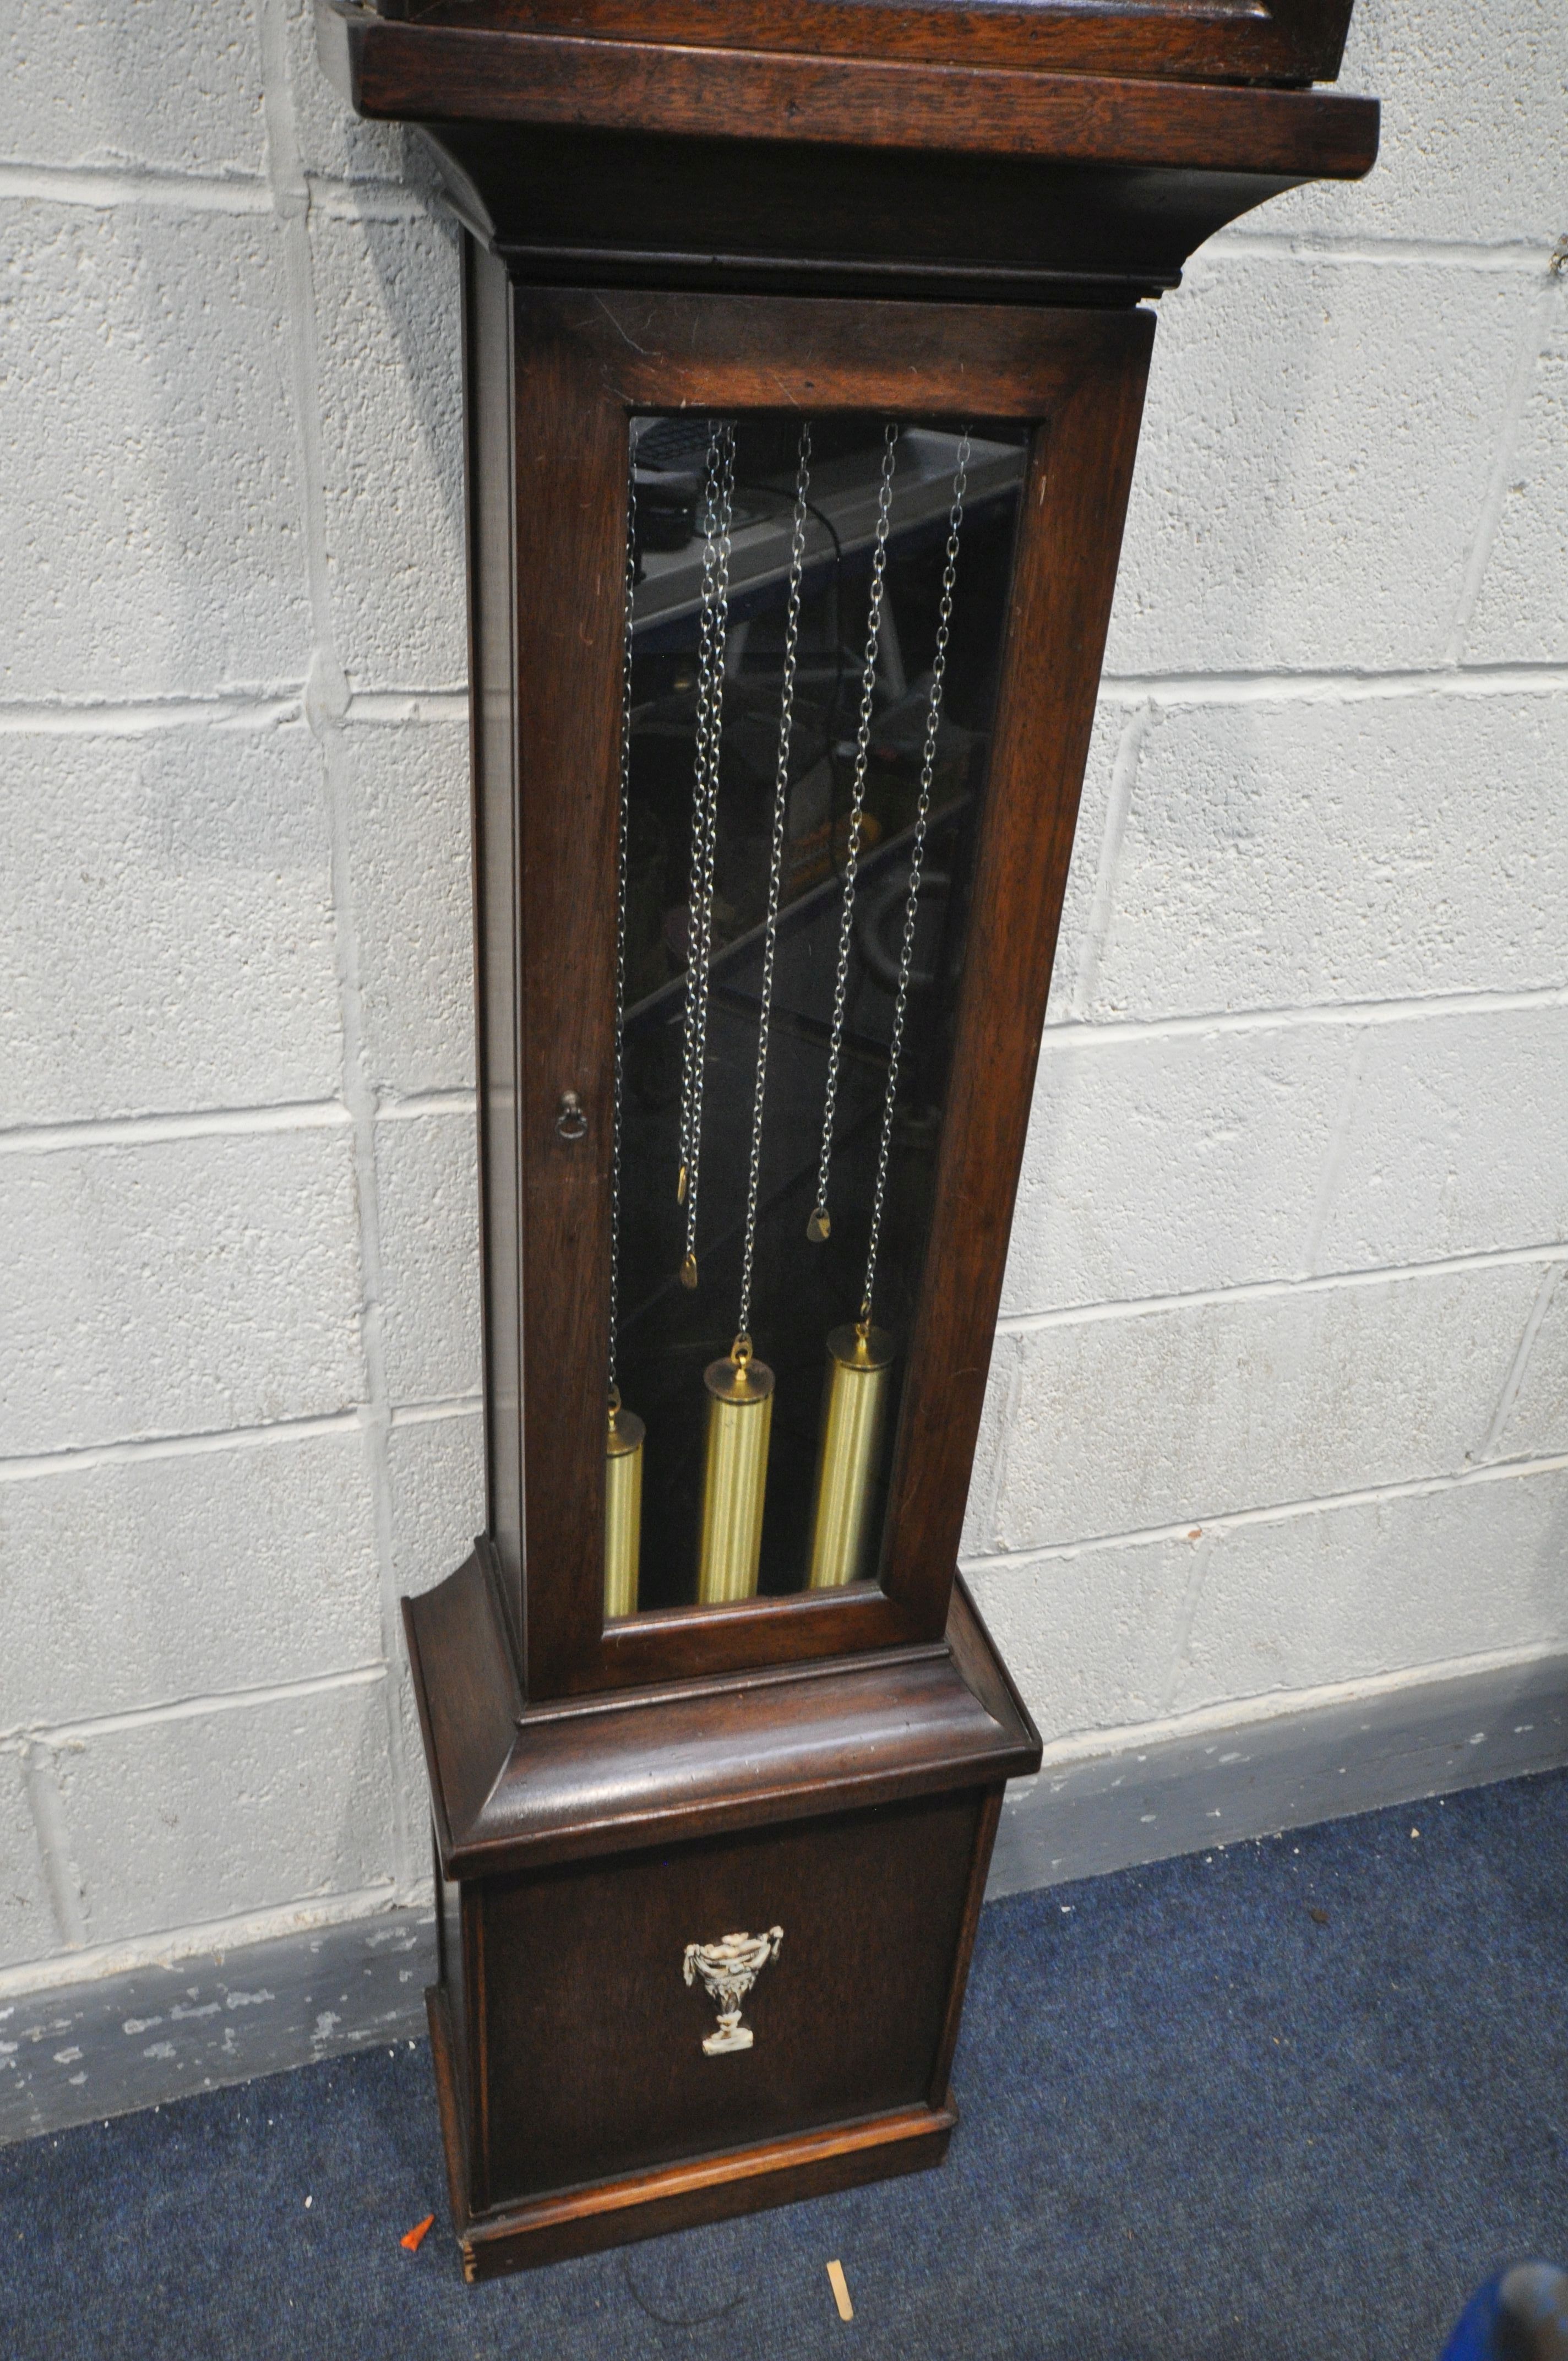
(673, 2196)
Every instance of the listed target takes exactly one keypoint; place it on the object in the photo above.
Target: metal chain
(916, 856)
(699, 786)
(719, 509)
(710, 842)
(621, 874)
(818, 1226)
(776, 871)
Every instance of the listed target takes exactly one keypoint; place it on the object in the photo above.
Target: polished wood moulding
(1228, 40)
(514, 1785)
(674, 2197)
(1058, 154)
(499, 75)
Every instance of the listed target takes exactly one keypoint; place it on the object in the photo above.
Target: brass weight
(855, 1399)
(623, 1509)
(854, 1403)
(735, 1474)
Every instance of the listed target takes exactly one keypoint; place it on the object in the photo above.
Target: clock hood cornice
(1051, 153)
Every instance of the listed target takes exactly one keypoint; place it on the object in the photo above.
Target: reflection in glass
(815, 619)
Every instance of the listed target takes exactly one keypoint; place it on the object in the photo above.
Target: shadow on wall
(432, 362)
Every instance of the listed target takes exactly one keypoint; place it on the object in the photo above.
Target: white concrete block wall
(1532, 1421)
(207, 1815)
(1280, 1400)
(236, 984)
(265, 1558)
(150, 495)
(158, 869)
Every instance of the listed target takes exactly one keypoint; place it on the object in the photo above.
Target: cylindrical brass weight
(854, 1400)
(735, 1477)
(622, 1511)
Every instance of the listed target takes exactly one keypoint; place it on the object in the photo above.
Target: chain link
(717, 510)
(621, 874)
(916, 857)
(699, 786)
(818, 1226)
(775, 867)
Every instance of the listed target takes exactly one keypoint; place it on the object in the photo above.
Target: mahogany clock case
(911, 210)
(829, 1762)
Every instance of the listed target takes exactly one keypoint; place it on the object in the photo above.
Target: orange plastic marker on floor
(840, 2287)
(414, 2237)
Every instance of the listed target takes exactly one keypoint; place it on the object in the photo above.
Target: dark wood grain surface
(433, 70)
(1064, 573)
(465, 1689)
(848, 2021)
(628, 208)
(1277, 41)
(578, 2107)
(678, 2196)
(492, 639)
(569, 462)
(986, 1822)
(638, 349)
(514, 1787)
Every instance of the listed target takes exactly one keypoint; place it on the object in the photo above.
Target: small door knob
(571, 1120)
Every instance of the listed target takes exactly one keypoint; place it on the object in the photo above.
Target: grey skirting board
(1093, 1811)
(84, 2051)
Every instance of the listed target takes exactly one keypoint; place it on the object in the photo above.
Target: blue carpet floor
(1289, 2102)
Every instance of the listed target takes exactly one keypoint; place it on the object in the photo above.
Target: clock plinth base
(815, 1843)
(586, 2220)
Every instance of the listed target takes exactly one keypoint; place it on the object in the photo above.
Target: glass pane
(817, 616)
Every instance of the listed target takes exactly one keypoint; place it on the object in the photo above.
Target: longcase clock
(804, 347)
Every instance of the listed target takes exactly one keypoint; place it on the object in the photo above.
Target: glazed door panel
(1053, 397)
